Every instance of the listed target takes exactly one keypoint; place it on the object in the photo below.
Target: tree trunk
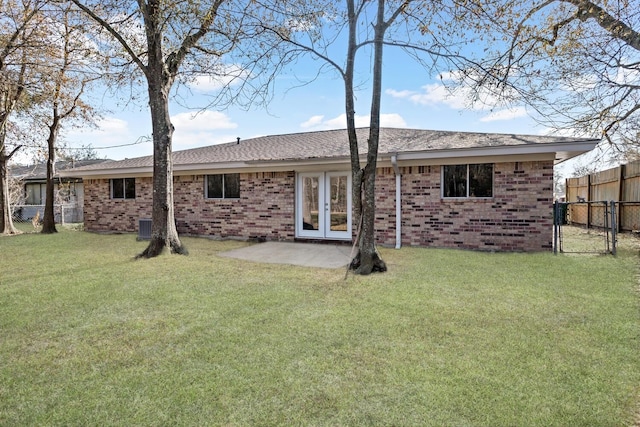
(160, 77)
(356, 172)
(6, 220)
(48, 220)
(163, 227)
(368, 259)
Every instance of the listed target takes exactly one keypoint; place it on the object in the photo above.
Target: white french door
(323, 205)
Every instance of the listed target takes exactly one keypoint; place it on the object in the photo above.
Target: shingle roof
(39, 171)
(333, 144)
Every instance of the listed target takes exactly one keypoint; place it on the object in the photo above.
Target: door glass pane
(310, 203)
(338, 203)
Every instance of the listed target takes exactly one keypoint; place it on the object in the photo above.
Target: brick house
(434, 188)
(68, 190)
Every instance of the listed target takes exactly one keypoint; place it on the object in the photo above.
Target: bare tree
(19, 26)
(320, 30)
(574, 63)
(167, 41)
(71, 66)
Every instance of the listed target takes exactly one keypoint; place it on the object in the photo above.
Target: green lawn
(445, 338)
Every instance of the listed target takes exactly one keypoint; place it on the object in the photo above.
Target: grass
(445, 338)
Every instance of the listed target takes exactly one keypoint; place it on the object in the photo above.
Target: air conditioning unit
(144, 229)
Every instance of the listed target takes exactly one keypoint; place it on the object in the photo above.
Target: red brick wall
(101, 213)
(265, 209)
(517, 218)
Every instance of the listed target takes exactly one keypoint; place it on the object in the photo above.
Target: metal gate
(584, 227)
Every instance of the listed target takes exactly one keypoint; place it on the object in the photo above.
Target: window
(474, 180)
(223, 186)
(36, 193)
(123, 188)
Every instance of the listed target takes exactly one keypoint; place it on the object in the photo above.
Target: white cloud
(313, 121)
(225, 76)
(437, 93)
(191, 130)
(108, 131)
(432, 95)
(340, 122)
(112, 138)
(505, 114)
(454, 90)
(399, 93)
(201, 129)
(203, 120)
(113, 124)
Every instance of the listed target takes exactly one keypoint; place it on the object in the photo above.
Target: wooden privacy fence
(620, 185)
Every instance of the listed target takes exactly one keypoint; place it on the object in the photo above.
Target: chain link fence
(585, 227)
(629, 216)
(63, 213)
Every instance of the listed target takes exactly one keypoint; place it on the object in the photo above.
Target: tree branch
(9, 43)
(614, 26)
(307, 49)
(104, 24)
(175, 58)
(606, 131)
(8, 157)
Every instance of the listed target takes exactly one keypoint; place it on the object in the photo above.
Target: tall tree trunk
(48, 220)
(350, 110)
(160, 77)
(368, 259)
(163, 227)
(6, 220)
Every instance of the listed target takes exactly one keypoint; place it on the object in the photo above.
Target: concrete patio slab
(302, 254)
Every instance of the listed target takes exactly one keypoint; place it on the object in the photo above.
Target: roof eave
(97, 173)
(562, 150)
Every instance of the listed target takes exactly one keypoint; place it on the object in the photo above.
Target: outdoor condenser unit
(144, 229)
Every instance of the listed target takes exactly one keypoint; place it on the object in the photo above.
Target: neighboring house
(433, 188)
(68, 190)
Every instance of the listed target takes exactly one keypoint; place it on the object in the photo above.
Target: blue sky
(411, 99)
(415, 101)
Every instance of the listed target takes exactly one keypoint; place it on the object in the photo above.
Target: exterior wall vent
(144, 229)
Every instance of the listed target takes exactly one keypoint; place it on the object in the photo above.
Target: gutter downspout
(396, 170)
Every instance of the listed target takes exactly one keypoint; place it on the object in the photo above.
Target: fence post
(614, 228)
(556, 221)
(588, 201)
(606, 225)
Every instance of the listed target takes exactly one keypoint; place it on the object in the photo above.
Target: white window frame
(324, 208)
